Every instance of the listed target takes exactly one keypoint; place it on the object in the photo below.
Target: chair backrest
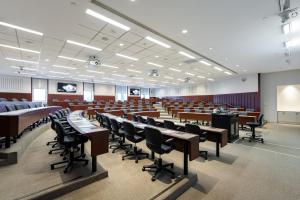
(3, 108)
(154, 139)
(19, 106)
(68, 110)
(151, 121)
(60, 131)
(52, 118)
(141, 119)
(14, 99)
(169, 124)
(58, 114)
(3, 99)
(107, 122)
(129, 130)
(135, 119)
(114, 126)
(194, 129)
(62, 113)
(260, 119)
(10, 107)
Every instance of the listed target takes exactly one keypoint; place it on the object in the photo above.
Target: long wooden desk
(96, 134)
(184, 142)
(15, 122)
(92, 111)
(144, 113)
(217, 135)
(194, 116)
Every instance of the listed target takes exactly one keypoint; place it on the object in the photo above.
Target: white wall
(104, 90)
(234, 85)
(15, 84)
(269, 83)
(288, 98)
(53, 87)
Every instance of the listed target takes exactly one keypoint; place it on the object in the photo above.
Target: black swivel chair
(195, 129)
(253, 125)
(151, 121)
(133, 136)
(134, 118)
(99, 118)
(156, 143)
(70, 141)
(116, 130)
(141, 119)
(171, 125)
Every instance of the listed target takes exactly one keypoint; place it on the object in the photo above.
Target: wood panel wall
(205, 98)
(104, 98)
(9, 95)
(62, 97)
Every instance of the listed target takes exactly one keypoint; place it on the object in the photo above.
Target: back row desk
(92, 111)
(96, 134)
(15, 122)
(217, 135)
(185, 142)
(144, 113)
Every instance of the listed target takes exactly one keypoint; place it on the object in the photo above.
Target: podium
(227, 121)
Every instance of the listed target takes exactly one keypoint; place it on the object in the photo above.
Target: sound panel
(19, 96)
(104, 98)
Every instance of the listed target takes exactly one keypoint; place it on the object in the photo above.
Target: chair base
(137, 154)
(254, 139)
(203, 154)
(120, 146)
(158, 167)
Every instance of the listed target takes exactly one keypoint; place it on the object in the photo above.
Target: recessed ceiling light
(47, 60)
(179, 64)
(17, 48)
(292, 43)
(184, 31)
(109, 66)
(132, 0)
(106, 19)
(83, 75)
(93, 71)
(210, 79)
(186, 55)
(69, 58)
(19, 60)
(119, 75)
(158, 42)
(21, 28)
(121, 44)
(168, 77)
(228, 73)
(156, 56)
(201, 77)
(127, 57)
(190, 74)
(218, 68)
(210, 48)
(65, 67)
(83, 45)
(174, 69)
(138, 78)
(154, 64)
(237, 65)
(56, 72)
(286, 28)
(205, 63)
(180, 80)
(135, 71)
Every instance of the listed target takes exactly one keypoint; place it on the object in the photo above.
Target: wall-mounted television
(67, 87)
(135, 92)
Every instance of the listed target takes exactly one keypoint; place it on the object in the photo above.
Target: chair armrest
(141, 132)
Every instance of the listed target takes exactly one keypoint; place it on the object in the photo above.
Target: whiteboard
(288, 98)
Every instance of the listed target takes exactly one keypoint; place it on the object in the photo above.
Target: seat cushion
(138, 138)
(166, 148)
(253, 124)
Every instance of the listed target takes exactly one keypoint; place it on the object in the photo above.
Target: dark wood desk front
(184, 142)
(15, 122)
(144, 113)
(96, 134)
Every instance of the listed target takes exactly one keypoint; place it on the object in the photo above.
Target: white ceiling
(235, 30)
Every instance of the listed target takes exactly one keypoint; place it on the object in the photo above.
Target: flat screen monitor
(67, 87)
(134, 92)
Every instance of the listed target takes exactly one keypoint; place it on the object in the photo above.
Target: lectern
(227, 121)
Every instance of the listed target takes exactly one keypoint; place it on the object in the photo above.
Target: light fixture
(106, 19)
(237, 65)
(24, 68)
(93, 71)
(186, 55)
(154, 64)
(121, 44)
(55, 76)
(135, 71)
(138, 78)
(210, 79)
(17, 48)
(47, 60)
(210, 48)
(21, 28)
(127, 57)
(228, 73)
(292, 43)
(218, 68)
(187, 73)
(156, 56)
(55, 72)
(88, 76)
(109, 66)
(201, 77)
(292, 27)
(19, 60)
(174, 69)
(69, 58)
(184, 31)
(119, 75)
(205, 62)
(181, 80)
(158, 42)
(25, 73)
(286, 28)
(83, 45)
(64, 67)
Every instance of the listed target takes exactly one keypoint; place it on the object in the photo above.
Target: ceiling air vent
(191, 61)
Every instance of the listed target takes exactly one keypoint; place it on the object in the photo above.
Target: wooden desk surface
(24, 111)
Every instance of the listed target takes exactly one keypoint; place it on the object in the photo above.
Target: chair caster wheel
(50, 152)
(153, 179)
(262, 141)
(143, 169)
(122, 158)
(52, 167)
(136, 161)
(64, 158)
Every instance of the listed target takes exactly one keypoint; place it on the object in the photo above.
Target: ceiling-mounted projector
(153, 73)
(186, 80)
(94, 61)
